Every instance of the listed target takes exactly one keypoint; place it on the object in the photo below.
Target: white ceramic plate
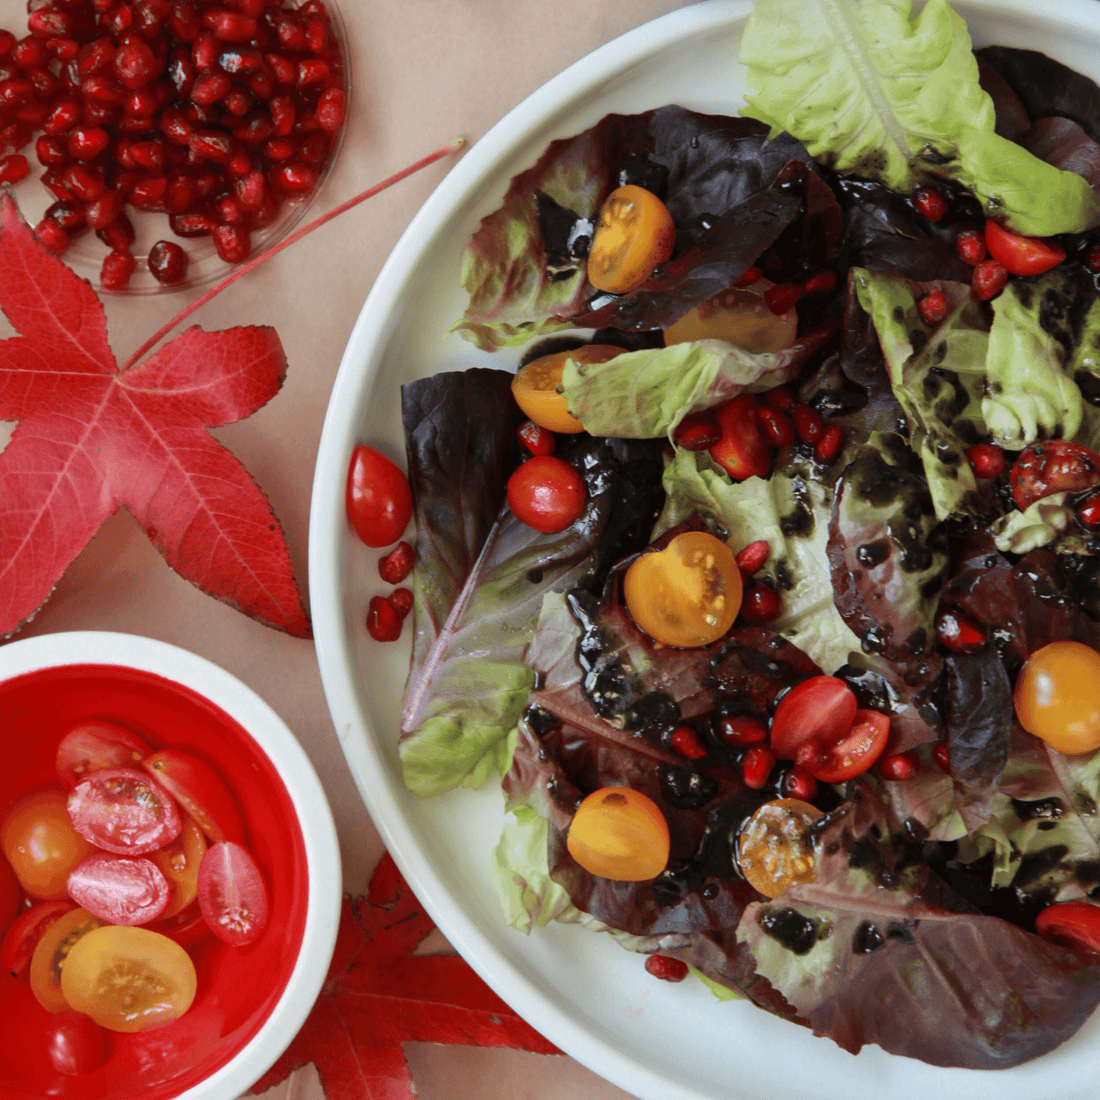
(586, 994)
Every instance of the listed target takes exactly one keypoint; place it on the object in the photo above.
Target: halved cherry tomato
(856, 751)
(547, 493)
(1022, 255)
(1057, 696)
(124, 811)
(40, 842)
(129, 979)
(200, 791)
(179, 861)
(634, 234)
(232, 894)
(1053, 466)
(537, 386)
(378, 499)
(93, 746)
(11, 894)
(820, 709)
(1074, 922)
(51, 953)
(25, 932)
(75, 1043)
(120, 889)
(742, 451)
(775, 847)
(187, 927)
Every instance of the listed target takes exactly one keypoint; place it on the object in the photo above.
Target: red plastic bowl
(251, 1000)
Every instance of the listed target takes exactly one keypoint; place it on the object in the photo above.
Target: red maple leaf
(379, 995)
(92, 437)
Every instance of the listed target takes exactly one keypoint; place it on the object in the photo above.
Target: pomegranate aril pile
(215, 113)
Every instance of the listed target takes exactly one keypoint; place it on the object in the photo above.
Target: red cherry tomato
(379, 500)
(1021, 255)
(1053, 466)
(198, 788)
(93, 746)
(857, 750)
(547, 494)
(820, 709)
(232, 894)
(75, 1043)
(1073, 922)
(120, 889)
(25, 932)
(124, 811)
(11, 894)
(742, 451)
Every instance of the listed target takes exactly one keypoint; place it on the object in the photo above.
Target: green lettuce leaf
(868, 89)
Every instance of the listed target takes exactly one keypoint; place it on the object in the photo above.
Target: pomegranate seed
(697, 432)
(262, 84)
(401, 599)
(666, 968)
(15, 91)
(180, 194)
(760, 604)
(751, 275)
(1092, 260)
(148, 194)
(754, 557)
(237, 103)
(397, 564)
(283, 114)
(48, 23)
(332, 107)
(293, 178)
(383, 620)
(233, 243)
(135, 64)
(64, 49)
(756, 766)
(182, 74)
(230, 26)
(740, 730)
(64, 116)
(241, 60)
(535, 438)
(316, 33)
(7, 41)
(830, 444)
(930, 203)
(69, 214)
(87, 142)
(167, 263)
(117, 268)
(941, 757)
(52, 236)
(101, 93)
(141, 104)
(211, 145)
(808, 423)
(204, 52)
(85, 181)
(782, 297)
(191, 224)
(255, 130)
(958, 633)
(209, 88)
(970, 245)
(51, 151)
(29, 53)
(282, 68)
(989, 279)
(184, 22)
(240, 164)
(311, 72)
(821, 282)
(780, 399)
(314, 149)
(291, 33)
(13, 168)
(776, 427)
(684, 740)
(986, 460)
(1088, 512)
(103, 210)
(900, 766)
(150, 154)
(280, 148)
(933, 307)
(96, 57)
(797, 784)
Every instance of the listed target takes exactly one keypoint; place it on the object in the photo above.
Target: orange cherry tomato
(26, 930)
(739, 316)
(179, 861)
(634, 234)
(819, 709)
(857, 750)
(537, 386)
(128, 979)
(378, 498)
(742, 451)
(93, 746)
(1057, 696)
(200, 791)
(1022, 255)
(52, 952)
(619, 833)
(775, 848)
(547, 493)
(41, 844)
(1074, 922)
(687, 594)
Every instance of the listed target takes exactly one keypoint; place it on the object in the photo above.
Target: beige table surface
(424, 72)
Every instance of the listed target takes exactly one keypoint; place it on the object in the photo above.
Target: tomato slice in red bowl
(94, 746)
(232, 894)
(26, 930)
(120, 889)
(198, 788)
(124, 811)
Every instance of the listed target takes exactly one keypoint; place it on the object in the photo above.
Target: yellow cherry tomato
(537, 386)
(775, 849)
(129, 979)
(179, 861)
(739, 316)
(687, 594)
(619, 833)
(51, 953)
(634, 233)
(1057, 696)
(41, 844)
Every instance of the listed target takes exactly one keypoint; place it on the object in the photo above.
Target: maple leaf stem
(263, 257)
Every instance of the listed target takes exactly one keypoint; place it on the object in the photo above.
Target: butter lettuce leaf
(870, 89)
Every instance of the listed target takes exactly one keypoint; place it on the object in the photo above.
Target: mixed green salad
(917, 930)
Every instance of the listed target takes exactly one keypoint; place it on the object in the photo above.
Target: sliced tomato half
(93, 746)
(25, 932)
(1074, 922)
(232, 894)
(818, 710)
(856, 751)
(1022, 255)
(200, 790)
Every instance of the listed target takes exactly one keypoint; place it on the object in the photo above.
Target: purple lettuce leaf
(1066, 145)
